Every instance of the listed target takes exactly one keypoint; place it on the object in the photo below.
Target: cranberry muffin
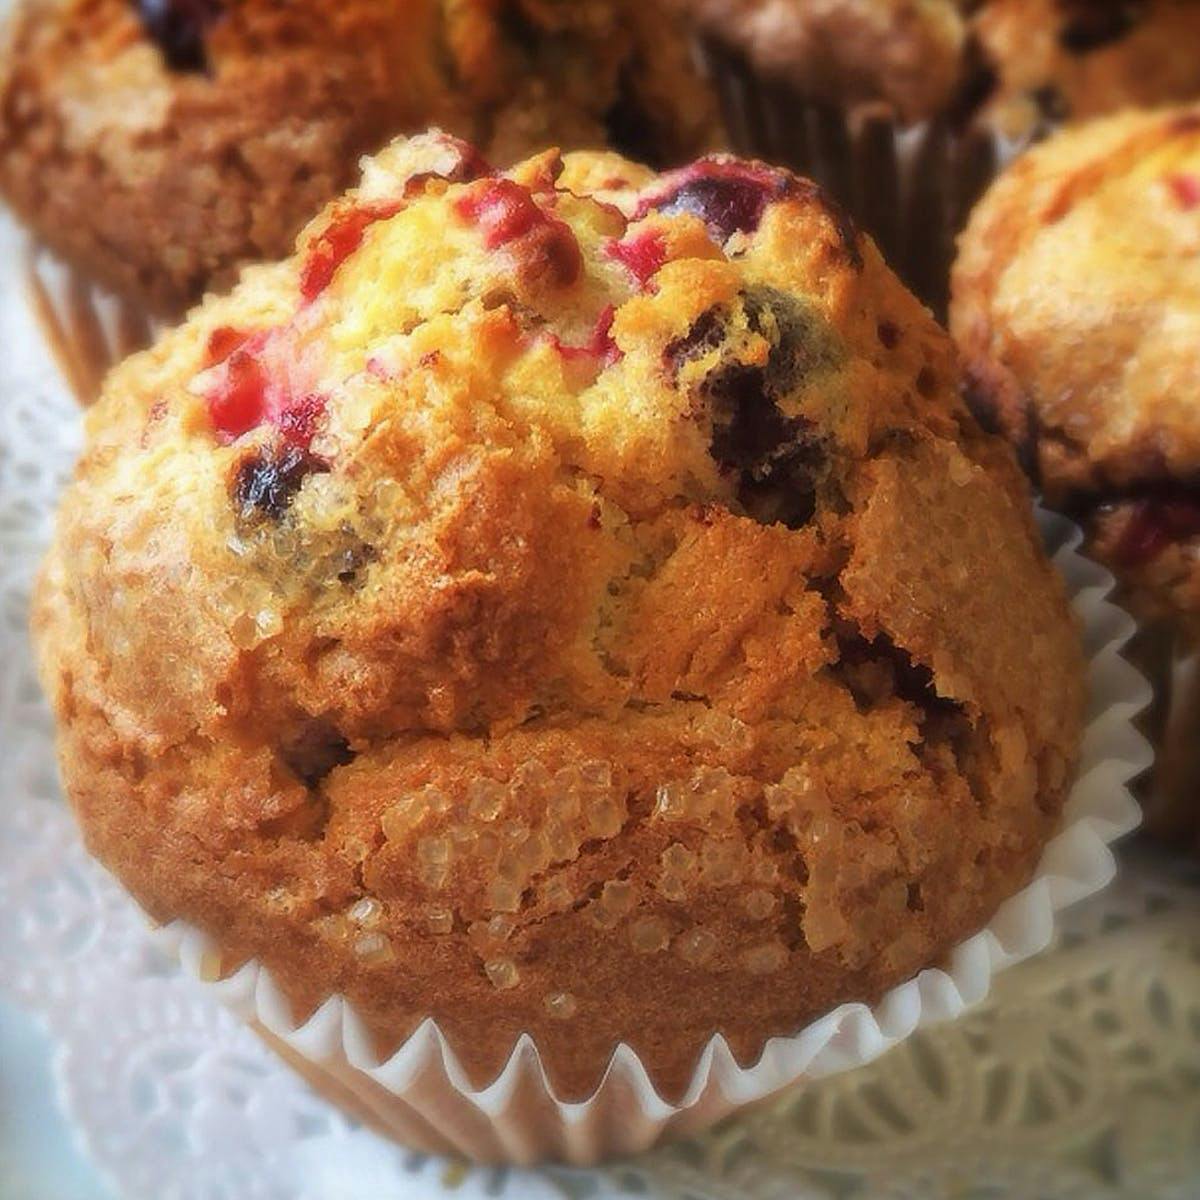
(1077, 307)
(160, 143)
(1041, 63)
(904, 52)
(572, 601)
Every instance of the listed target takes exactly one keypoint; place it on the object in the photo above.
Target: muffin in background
(847, 52)
(1076, 303)
(159, 145)
(906, 109)
(572, 602)
(1043, 63)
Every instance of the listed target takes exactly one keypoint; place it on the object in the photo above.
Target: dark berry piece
(268, 479)
(178, 28)
(1092, 24)
(705, 335)
(729, 197)
(779, 459)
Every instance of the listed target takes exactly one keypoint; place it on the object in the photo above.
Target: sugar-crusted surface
(492, 630)
(162, 179)
(1077, 304)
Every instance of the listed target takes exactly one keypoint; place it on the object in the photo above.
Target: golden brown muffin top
(1077, 304)
(553, 600)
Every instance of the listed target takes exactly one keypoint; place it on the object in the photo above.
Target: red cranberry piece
(728, 196)
(471, 164)
(246, 396)
(1185, 189)
(339, 239)
(178, 28)
(643, 254)
(504, 211)
(508, 215)
(239, 403)
(600, 345)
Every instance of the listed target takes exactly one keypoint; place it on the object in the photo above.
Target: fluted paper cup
(421, 1096)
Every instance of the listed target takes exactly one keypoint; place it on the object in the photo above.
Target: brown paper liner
(911, 189)
(87, 328)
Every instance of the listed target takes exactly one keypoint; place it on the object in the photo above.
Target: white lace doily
(1079, 1078)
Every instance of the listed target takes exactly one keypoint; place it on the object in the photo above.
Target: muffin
(1041, 63)
(572, 602)
(906, 53)
(1078, 325)
(1077, 308)
(160, 144)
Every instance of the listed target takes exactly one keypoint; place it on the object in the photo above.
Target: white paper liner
(422, 1097)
